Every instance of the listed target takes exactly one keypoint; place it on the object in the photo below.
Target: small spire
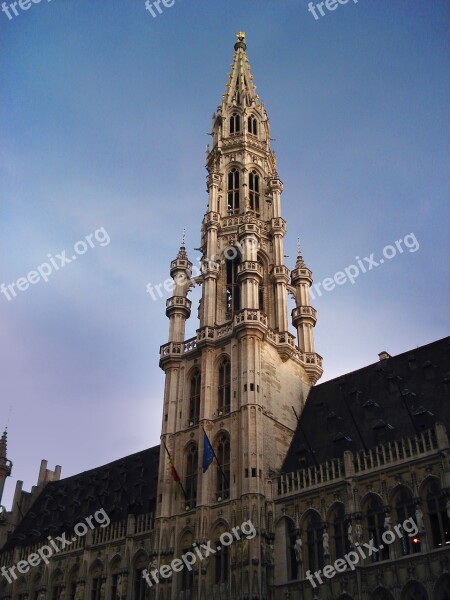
(300, 262)
(3, 444)
(183, 239)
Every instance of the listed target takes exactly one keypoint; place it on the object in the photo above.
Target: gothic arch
(287, 517)
(96, 566)
(442, 588)
(331, 509)
(218, 435)
(366, 498)
(217, 524)
(396, 489)
(307, 514)
(428, 479)
(186, 532)
(138, 556)
(414, 591)
(381, 594)
(222, 356)
(185, 538)
(115, 560)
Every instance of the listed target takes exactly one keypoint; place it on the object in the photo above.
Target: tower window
(235, 123)
(221, 566)
(224, 387)
(194, 398)
(233, 299)
(254, 185)
(191, 475)
(233, 190)
(252, 125)
(223, 475)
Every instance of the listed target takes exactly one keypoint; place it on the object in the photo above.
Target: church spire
(240, 88)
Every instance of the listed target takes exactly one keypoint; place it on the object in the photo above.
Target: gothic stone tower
(244, 371)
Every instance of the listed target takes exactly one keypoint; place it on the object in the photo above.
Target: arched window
(261, 288)
(139, 583)
(116, 590)
(293, 561)
(223, 468)
(233, 291)
(220, 572)
(186, 575)
(339, 532)
(72, 585)
(254, 191)
(414, 591)
(194, 398)
(221, 566)
(381, 594)
(57, 585)
(437, 514)
(405, 509)
(442, 589)
(252, 125)
(375, 516)
(235, 123)
(233, 190)
(98, 581)
(191, 475)
(314, 532)
(223, 404)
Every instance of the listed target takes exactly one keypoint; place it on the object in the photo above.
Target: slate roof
(125, 486)
(385, 401)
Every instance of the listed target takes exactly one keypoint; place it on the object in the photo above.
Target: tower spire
(240, 88)
(5, 464)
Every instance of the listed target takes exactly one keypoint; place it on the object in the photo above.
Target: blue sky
(105, 114)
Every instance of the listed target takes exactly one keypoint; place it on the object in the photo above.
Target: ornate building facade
(319, 470)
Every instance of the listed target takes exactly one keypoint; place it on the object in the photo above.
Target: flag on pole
(173, 471)
(208, 452)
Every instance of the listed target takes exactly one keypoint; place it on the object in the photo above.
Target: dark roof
(125, 486)
(385, 401)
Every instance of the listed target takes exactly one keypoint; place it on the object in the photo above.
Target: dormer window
(252, 125)
(235, 123)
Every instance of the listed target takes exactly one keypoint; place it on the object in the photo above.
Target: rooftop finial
(299, 250)
(183, 239)
(240, 41)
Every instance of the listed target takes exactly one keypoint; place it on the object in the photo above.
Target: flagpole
(173, 467)
(215, 456)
